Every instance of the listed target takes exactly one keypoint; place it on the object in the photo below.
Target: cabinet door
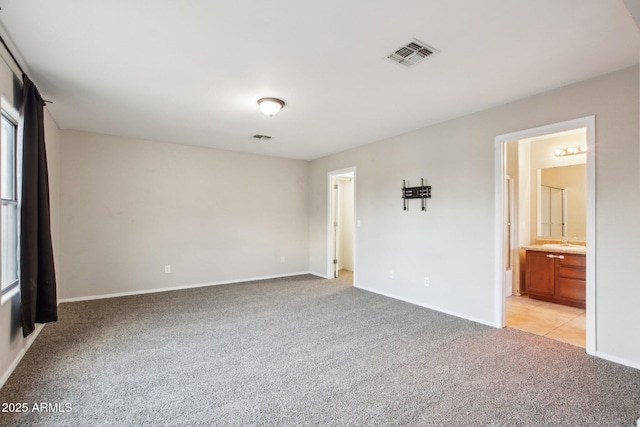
(540, 274)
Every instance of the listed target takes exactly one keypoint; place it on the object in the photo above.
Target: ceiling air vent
(264, 138)
(412, 53)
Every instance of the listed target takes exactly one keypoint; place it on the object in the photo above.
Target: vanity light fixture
(570, 151)
(270, 106)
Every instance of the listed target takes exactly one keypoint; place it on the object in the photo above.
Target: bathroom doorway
(341, 221)
(523, 157)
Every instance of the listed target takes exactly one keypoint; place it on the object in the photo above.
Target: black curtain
(37, 273)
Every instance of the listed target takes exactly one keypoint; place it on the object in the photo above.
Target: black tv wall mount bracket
(423, 192)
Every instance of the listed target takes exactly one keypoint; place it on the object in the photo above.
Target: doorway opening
(341, 221)
(531, 216)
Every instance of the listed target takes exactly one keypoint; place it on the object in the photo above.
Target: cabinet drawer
(571, 288)
(573, 260)
(572, 273)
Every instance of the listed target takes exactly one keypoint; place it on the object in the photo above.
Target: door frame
(589, 123)
(330, 208)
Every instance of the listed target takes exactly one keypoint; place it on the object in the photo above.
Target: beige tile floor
(346, 275)
(555, 321)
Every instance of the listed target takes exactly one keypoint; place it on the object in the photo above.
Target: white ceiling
(190, 71)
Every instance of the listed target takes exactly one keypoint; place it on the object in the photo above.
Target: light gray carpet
(305, 351)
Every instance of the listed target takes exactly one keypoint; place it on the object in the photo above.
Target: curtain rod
(11, 55)
(17, 63)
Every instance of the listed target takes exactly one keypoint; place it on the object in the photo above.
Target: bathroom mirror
(562, 202)
(551, 216)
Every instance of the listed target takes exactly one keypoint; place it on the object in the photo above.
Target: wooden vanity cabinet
(556, 277)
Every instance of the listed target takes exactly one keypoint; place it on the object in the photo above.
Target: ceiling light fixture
(578, 149)
(270, 106)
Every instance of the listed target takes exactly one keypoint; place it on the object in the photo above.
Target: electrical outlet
(282, 258)
(426, 281)
(391, 274)
(167, 269)
(358, 223)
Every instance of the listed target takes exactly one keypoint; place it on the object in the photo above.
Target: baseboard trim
(617, 360)
(324, 276)
(177, 288)
(429, 306)
(21, 354)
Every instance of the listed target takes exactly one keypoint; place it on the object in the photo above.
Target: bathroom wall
(517, 259)
(346, 222)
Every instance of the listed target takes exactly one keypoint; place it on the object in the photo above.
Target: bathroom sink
(565, 246)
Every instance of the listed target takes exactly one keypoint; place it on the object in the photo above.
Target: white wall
(453, 241)
(130, 207)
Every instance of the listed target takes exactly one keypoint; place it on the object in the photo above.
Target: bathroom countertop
(572, 249)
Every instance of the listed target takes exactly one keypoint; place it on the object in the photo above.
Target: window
(10, 205)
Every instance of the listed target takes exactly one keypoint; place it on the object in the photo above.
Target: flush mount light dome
(270, 106)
